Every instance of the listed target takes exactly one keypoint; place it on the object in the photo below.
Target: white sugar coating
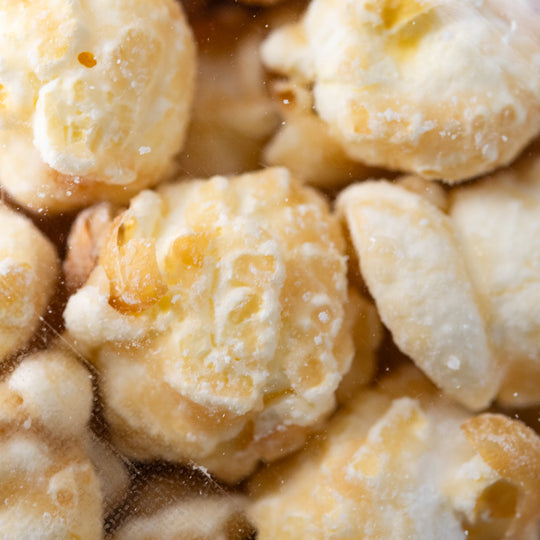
(84, 87)
(413, 267)
(443, 88)
(203, 315)
(421, 253)
(29, 268)
(395, 463)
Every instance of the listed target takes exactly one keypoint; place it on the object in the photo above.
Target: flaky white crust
(444, 88)
(413, 267)
(402, 462)
(95, 98)
(29, 269)
(47, 483)
(218, 318)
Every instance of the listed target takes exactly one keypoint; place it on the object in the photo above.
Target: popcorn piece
(218, 319)
(95, 98)
(403, 462)
(49, 487)
(233, 113)
(367, 336)
(443, 88)
(412, 265)
(458, 291)
(29, 268)
(498, 227)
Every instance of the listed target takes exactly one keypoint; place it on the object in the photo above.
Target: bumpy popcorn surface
(49, 488)
(218, 318)
(458, 289)
(443, 88)
(402, 462)
(94, 98)
(305, 145)
(29, 269)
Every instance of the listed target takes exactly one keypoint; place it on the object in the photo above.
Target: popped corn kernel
(85, 86)
(411, 263)
(402, 461)
(219, 320)
(455, 278)
(49, 487)
(497, 225)
(441, 88)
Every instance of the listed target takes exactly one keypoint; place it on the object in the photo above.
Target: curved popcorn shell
(413, 268)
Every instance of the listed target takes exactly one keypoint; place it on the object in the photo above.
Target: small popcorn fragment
(446, 89)
(402, 461)
(49, 487)
(95, 98)
(29, 270)
(166, 507)
(219, 319)
(86, 238)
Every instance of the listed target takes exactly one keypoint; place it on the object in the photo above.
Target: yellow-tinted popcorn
(497, 224)
(95, 98)
(305, 145)
(412, 266)
(401, 461)
(29, 270)
(219, 320)
(442, 88)
(48, 485)
(455, 278)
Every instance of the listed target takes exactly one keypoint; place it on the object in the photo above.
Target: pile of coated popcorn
(270, 269)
